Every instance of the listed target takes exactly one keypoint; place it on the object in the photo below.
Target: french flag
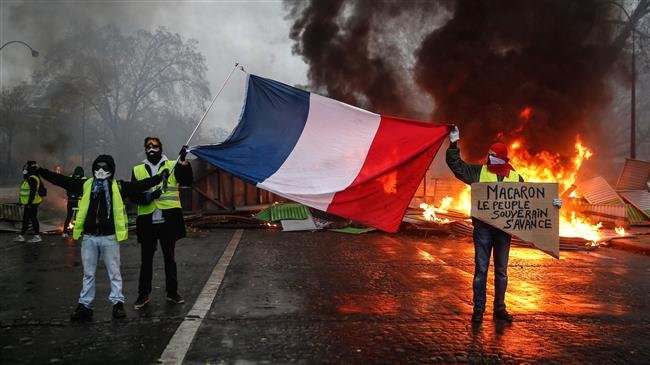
(326, 154)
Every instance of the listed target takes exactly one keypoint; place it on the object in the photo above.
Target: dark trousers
(30, 215)
(72, 203)
(487, 238)
(147, 249)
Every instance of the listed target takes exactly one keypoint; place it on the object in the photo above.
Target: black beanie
(78, 171)
(105, 158)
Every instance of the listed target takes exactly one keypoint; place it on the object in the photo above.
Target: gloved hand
(557, 202)
(182, 153)
(150, 196)
(454, 135)
(165, 175)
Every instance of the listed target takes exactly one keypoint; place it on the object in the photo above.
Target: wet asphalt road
(324, 297)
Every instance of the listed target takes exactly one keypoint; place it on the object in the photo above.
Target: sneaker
(503, 315)
(82, 314)
(477, 316)
(141, 301)
(118, 310)
(35, 239)
(175, 298)
(20, 238)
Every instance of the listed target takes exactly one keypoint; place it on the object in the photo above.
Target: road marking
(179, 344)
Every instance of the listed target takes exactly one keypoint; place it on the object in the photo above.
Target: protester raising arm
(467, 173)
(71, 184)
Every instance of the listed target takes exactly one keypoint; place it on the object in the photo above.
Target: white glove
(454, 135)
(557, 202)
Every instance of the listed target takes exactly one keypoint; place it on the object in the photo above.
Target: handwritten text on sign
(524, 210)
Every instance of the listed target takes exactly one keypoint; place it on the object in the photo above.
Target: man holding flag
(160, 217)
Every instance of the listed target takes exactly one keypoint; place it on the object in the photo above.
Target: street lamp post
(34, 52)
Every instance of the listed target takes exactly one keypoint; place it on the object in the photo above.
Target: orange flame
(429, 211)
(545, 166)
(620, 231)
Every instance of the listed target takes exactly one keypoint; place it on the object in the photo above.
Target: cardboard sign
(524, 210)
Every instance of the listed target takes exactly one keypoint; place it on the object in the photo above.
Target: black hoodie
(99, 221)
(77, 174)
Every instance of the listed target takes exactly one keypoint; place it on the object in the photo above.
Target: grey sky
(253, 33)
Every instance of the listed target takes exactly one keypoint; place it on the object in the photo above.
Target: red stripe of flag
(398, 158)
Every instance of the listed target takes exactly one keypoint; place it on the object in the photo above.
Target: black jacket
(174, 226)
(99, 220)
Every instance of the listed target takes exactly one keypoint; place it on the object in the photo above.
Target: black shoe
(141, 301)
(175, 298)
(477, 316)
(503, 315)
(118, 310)
(82, 314)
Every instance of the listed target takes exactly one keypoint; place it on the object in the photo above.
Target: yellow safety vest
(119, 212)
(168, 199)
(487, 176)
(24, 191)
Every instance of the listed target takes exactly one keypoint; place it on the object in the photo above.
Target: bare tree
(128, 80)
(631, 51)
(13, 108)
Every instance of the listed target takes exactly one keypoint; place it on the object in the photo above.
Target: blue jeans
(92, 247)
(487, 238)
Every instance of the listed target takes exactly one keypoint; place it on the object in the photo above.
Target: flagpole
(208, 110)
(213, 100)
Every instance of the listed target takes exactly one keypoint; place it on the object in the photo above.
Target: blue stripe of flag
(272, 121)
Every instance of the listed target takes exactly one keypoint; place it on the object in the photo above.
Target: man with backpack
(31, 193)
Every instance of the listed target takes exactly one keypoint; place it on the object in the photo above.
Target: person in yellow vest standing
(102, 221)
(160, 218)
(486, 237)
(31, 190)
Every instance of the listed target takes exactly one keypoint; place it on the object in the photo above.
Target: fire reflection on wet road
(380, 298)
(325, 297)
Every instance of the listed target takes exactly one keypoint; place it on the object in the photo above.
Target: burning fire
(540, 167)
(430, 210)
(620, 231)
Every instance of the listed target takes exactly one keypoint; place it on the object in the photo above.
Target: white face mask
(101, 174)
(495, 160)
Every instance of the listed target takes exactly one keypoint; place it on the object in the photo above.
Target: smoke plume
(499, 69)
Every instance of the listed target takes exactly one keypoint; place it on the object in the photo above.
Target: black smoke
(482, 62)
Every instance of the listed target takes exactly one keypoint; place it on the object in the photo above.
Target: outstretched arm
(68, 183)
